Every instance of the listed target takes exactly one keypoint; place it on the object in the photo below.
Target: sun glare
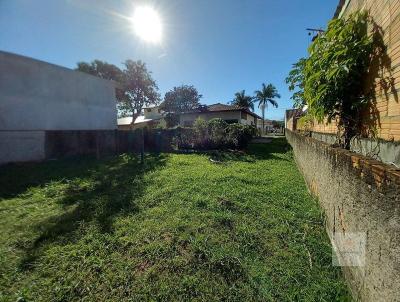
(147, 24)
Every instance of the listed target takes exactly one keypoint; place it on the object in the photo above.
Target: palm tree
(243, 100)
(263, 97)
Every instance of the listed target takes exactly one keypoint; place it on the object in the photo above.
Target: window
(244, 116)
(148, 109)
(231, 121)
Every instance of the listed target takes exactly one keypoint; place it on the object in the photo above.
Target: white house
(229, 113)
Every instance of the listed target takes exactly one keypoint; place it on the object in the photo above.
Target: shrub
(171, 120)
(214, 134)
(200, 128)
(305, 123)
(333, 81)
(217, 130)
(238, 135)
(183, 138)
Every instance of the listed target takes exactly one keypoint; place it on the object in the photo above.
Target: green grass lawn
(177, 228)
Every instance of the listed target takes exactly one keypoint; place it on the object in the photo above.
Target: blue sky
(219, 46)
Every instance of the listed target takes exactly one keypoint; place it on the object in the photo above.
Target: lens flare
(147, 24)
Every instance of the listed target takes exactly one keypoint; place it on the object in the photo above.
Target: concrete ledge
(358, 195)
(384, 151)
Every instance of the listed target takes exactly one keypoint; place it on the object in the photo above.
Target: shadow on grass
(17, 178)
(254, 152)
(109, 189)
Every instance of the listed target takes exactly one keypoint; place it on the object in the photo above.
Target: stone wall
(359, 196)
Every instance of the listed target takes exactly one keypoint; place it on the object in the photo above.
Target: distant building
(291, 117)
(229, 113)
(154, 116)
(267, 125)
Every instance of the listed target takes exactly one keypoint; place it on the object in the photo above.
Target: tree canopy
(136, 88)
(266, 95)
(181, 99)
(243, 100)
(101, 69)
(330, 80)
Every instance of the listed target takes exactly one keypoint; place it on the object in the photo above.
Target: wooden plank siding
(386, 82)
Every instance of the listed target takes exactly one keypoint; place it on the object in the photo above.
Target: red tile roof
(218, 107)
(223, 107)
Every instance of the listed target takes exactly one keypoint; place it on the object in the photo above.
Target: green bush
(238, 135)
(200, 128)
(217, 131)
(182, 138)
(171, 120)
(214, 134)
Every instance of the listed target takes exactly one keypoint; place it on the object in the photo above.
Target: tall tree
(266, 95)
(181, 99)
(136, 85)
(101, 69)
(243, 100)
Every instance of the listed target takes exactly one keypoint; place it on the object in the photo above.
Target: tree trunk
(263, 120)
(349, 125)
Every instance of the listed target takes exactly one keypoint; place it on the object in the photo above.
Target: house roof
(222, 107)
(218, 107)
(339, 8)
(150, 106)
(267, 121)
(124, 120)
(128, 120)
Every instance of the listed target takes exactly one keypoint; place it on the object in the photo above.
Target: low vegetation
(214, 134)
(179, 227)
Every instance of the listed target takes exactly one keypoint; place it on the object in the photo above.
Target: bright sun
(147, 24)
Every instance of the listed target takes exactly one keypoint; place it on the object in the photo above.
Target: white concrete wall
(36, 95)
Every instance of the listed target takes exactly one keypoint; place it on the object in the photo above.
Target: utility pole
(315, 31)
(142, 147)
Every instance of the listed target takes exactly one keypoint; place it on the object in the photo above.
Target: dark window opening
(231, 121)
